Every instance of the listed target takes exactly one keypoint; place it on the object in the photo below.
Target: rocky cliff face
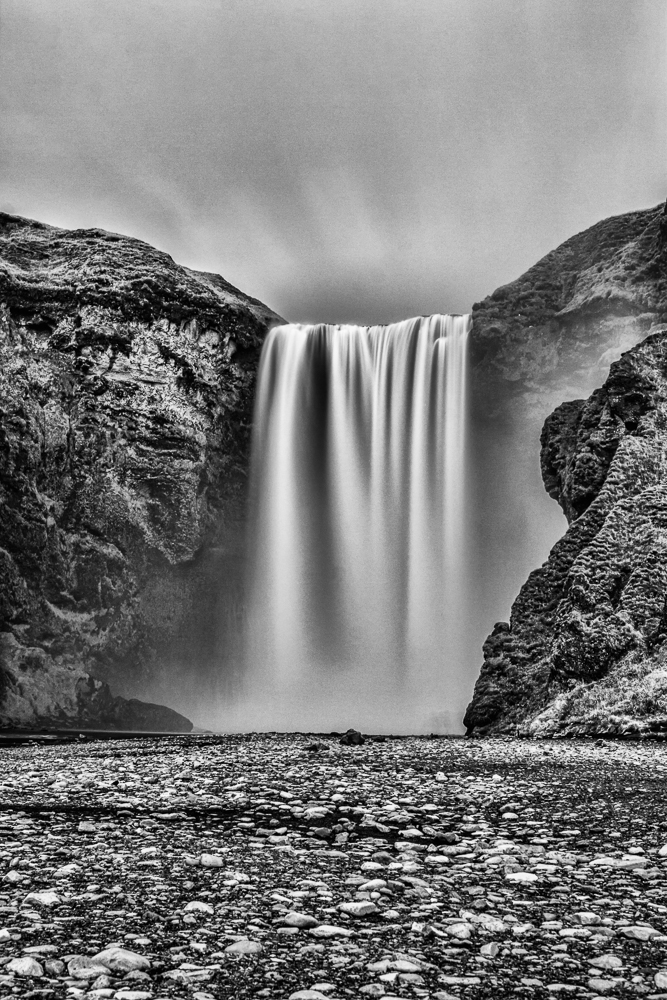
(586, 646)
(126, 387)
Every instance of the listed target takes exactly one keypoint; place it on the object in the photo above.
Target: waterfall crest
(358, 528)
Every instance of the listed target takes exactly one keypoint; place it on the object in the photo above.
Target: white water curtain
(358, 527)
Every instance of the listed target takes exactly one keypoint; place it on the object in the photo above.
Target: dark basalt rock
(352, 738)
(126, 386)
(584, 650)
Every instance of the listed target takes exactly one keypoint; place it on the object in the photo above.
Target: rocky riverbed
(287, 867)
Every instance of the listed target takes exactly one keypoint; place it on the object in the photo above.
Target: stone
(488, 922)
(460, 930)
(197, 906)
(25, 967)
(211, 861)
(608, 962)
(66, 871)
(521, 877)
(352, 738)
(308, 995)
(329, 931)
(53, 967)
(587, 918)
(244, 948)
(460, 980)
(373, 885)
(121, 960)
(300, 920)
(362, 908)
(47, 898)
(83, 967)
(639, 933)
(660, 979)
(601, 985)
(14, 877)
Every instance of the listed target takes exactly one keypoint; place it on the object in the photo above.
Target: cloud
(342, 160)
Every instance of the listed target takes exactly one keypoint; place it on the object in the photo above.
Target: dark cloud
(340, 159)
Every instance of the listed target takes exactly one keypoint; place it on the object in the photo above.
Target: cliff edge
(126, 387)
(585, 650)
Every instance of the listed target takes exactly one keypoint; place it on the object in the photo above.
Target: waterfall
(358, 529)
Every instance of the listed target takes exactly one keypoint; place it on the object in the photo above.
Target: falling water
(358, 529)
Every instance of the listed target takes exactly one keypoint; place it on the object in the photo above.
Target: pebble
(197, 906)
(300, 920)
(122, 960)
(308, 995)
(211, 861)
(46, 899)
(360, 909)
(244, 948)
(641, 933)
(329, 931)
(83, 967)
(429, 868)
(606, 962)
(25, 967)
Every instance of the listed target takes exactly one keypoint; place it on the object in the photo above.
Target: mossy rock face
(126, 391)
(584, 646)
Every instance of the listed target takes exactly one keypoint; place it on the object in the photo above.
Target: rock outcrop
(126, 387)
(586, 646)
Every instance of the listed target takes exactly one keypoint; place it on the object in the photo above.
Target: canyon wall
(584, 649)
(126, 390)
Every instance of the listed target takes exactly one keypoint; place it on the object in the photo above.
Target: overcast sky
(340, 159)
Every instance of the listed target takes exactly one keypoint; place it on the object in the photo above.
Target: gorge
(126, 388)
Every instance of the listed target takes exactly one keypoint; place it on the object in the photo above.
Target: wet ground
(282, 866)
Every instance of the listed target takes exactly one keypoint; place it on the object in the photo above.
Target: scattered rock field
(292, 868)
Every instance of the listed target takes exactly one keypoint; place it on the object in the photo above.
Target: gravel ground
(274, 866)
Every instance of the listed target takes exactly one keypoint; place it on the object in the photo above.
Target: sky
(342, 160)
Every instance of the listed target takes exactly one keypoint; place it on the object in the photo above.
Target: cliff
(126, 386)
(585, 649)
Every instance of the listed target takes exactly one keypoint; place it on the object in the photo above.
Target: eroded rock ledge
(585, 650)
(126, 386)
